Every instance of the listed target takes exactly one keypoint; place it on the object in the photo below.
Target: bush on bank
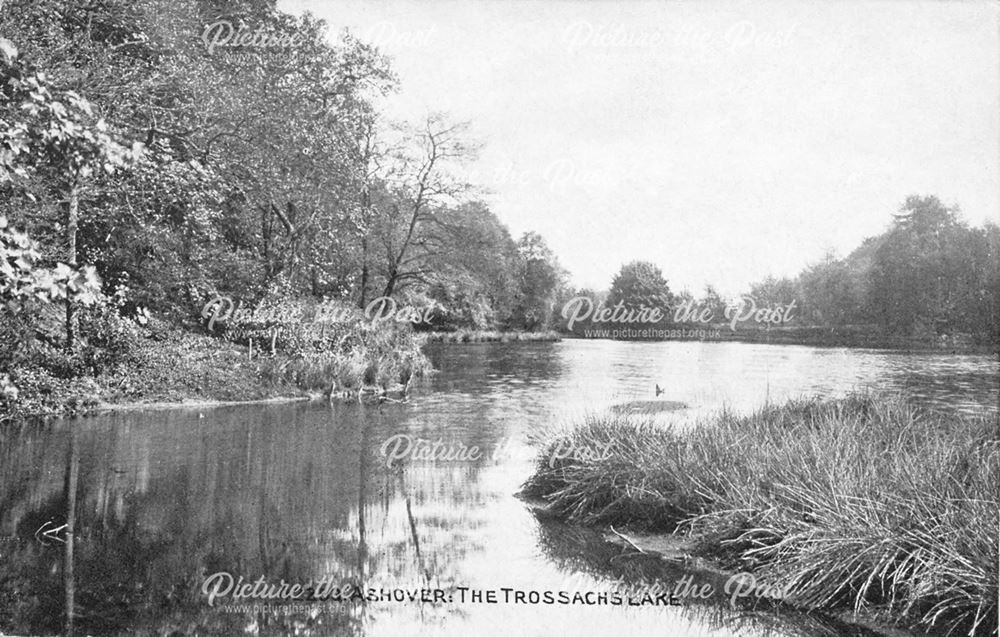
(867, 503)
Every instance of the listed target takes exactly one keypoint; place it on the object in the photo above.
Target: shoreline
(887, 344)
(471, 337)
(103, 408)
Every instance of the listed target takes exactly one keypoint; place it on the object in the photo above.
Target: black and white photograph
(497, 318)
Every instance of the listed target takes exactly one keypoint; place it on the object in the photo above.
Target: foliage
(712, 301)
(112, 341)
(22, 279)
(640, 283)
(542, 280)
(473, 276)
(29, 293)
(833, 293)
(929, 276)
(55, 130)
(258, 165)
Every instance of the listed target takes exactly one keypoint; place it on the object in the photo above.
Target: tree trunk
(390, 284)
(265, 231)
(366, 205)
(364, 272)
(72, 219)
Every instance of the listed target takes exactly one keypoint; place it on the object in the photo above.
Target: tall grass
(382, 358)
(867, 503)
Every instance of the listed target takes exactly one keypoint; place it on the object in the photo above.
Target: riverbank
(171, 366)
(864, 504)
(867, 337)
(491, 336)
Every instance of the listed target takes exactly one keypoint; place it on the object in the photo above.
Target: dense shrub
(112, 341)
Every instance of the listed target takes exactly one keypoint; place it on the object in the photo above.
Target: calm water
(301, 491)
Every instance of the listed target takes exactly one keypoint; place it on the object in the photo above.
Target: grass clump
(381, 358)
(866, 503)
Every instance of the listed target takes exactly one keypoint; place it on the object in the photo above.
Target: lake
(303, 492)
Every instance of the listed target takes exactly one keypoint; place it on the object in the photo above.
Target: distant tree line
(929, 275)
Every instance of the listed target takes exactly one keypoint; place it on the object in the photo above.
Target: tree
(541, 282)
(640, 283)
(420, 184)
(56, 133)
(833, 293)
(290, 147)
(774, 291)
(711, 300)
(473, 267)
(988, 284)
(920, 268)
(26, 286)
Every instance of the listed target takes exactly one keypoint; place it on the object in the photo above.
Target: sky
(723, 141)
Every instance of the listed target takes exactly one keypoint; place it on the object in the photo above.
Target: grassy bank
(488, 336)
(865, 503)
(170, 364)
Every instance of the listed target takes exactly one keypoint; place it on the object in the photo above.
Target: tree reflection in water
(584, 550)
(157, 501)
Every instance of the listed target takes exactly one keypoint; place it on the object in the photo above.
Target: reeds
(379, 358)
(865, 503)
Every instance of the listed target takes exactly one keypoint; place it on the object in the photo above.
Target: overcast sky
(722, 141)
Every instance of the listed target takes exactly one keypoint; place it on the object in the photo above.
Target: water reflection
(301, 492)
(581, 550)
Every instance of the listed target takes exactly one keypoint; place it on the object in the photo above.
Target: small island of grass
(864, 504)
